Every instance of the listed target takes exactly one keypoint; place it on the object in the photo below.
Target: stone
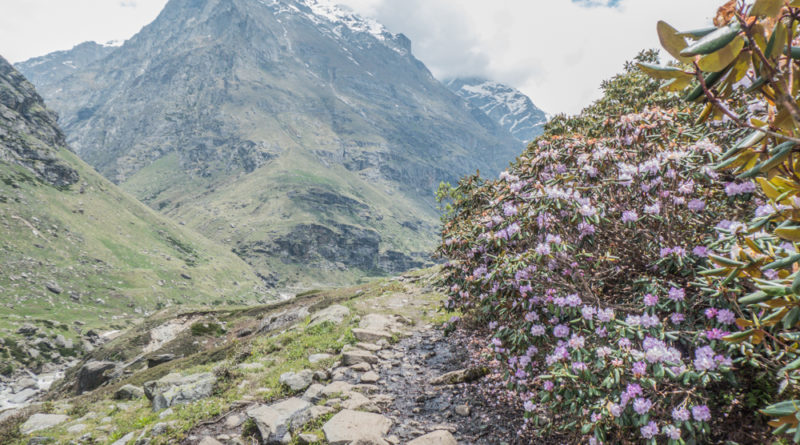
(23, 396)
(315, 412)
(462, 410)
(333, 314)
(369, 347)
(38, 422)
(314, 393)
(283, 319)
(233, 421)
(307, 438)
(361, 367)
(369, 335)
(129, 392)
(357, 401)
(435, 438)
(27, 329)
(63, 342)
(125, 439)
(92, 375)
(159, 359)
(316, 358)
(321, 375)
(273, 421)
(336, 388)
(174, 389)
(349, 426)
(208, 440)
(24, 383)
(159, 429)
(77, 428)
(297, 381)
(370, 377)
(353, 357)
(54, 288)
(460, 376)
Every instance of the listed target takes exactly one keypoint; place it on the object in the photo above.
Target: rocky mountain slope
(76, 253)
(308, 139)
(505, 105)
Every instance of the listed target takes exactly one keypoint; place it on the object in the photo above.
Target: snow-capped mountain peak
(509, 107)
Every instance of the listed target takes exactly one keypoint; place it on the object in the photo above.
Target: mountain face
(77, 251)
(506, 106)
(309, 140)
(52, 68)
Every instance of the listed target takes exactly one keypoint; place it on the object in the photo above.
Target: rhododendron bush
(582, 261)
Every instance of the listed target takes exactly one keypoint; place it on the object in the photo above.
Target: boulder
(356, 356)
(350, 426)
(92, 375)
(460, 376)
(370, 377)
(39, 422)
(159, 359)
(273, 421)
(208, 440)
(282, 320)
(22, 396)
(54, 288)
(297, 381)
(316, 358)
(129, 392)
(174, 389)
(334, 314)
(440, 437)
(27, 329)
(24, 383)
(371, 336)
(63, 343)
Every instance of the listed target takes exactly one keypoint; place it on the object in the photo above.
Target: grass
(114, 258)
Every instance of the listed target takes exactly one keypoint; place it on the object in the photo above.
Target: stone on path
(462, 410)
(208, 440)
(39, 422)
(435, 438)
(356, 427)
(307, 438)
(370, 377)
(334, 314)
(371, 336)
(297, 381)
(356, 356)
(273, 421)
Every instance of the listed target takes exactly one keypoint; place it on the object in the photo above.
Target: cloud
(128, 4)
(597, 3)
(556, 51)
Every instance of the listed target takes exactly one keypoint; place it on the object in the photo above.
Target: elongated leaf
(782, 409)
(777, 41)
(723, 57)
(671, 41)
(766, 8)
(714, 41)
(664, 72)
(697, 33)
(789, 233)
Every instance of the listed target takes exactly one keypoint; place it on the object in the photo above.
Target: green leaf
(671, 41)
(697, 33)
(776, 41)
(664, 72)
(766, 8)
(714, 41)
(723, 57)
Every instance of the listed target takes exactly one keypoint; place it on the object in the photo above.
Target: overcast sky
(555, 51)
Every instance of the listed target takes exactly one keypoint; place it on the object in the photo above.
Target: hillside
(507, 106)
(309, 140)
(78, 254)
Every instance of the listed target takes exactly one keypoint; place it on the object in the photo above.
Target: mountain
(304, 137)
(54, 67)
(77, 253)
(505, 105)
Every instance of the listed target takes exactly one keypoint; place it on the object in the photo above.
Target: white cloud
(556, 51)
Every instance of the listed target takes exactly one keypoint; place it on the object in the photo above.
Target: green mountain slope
(75, 248)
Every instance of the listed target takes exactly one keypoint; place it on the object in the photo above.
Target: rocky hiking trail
(394, 378)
